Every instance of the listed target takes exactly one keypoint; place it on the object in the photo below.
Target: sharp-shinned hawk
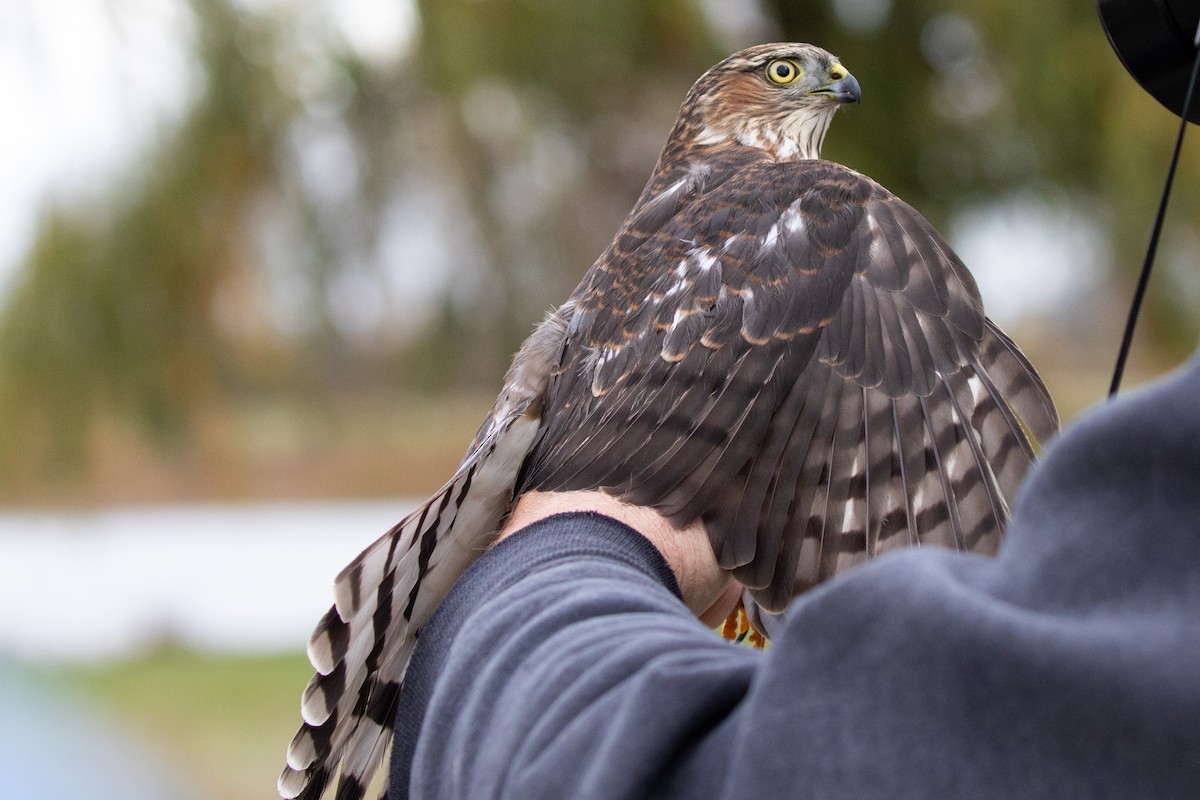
(773, 344)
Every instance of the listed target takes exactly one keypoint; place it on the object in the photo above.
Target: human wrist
(686, 550)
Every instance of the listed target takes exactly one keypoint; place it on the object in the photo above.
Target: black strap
(1140, 294)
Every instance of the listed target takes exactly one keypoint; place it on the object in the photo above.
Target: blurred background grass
(282, 249)
(222, 722)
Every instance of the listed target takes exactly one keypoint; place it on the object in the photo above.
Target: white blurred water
(104, 584)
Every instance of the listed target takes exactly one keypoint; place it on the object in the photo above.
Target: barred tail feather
(341, 646)
(362, 646)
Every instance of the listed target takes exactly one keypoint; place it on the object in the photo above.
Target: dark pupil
(783, 71)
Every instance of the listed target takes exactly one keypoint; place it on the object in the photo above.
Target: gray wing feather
(818, 386)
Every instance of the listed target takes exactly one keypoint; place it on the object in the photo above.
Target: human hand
(707, 589)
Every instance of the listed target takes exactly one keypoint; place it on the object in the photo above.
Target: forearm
(566, 651)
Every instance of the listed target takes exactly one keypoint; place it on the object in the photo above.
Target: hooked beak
(844, 89)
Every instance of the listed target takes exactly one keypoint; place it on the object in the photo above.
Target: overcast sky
(85, 86)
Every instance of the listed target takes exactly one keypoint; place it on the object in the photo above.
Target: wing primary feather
(688, 495)
(788, 488)
(907, 486)
(1007, 443)
(869, 527)
(875, 355)
(843, 536)
(935, 454)
(744, 510)
(566, 464)
(668, 473)
(994, 517)
(826, 556)
(799, 562)
(1019, 384)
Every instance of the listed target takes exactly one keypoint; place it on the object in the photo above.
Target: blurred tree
(544, 109)
(113, 312)
(150, 308)
(325, 220)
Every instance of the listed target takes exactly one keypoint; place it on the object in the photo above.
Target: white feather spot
(873, 233)
(607, 354)
(770, 239)
(681, 282)
(793, 220)
(703, 258)
(979, 392)
(675, 188)
(950, 462)
(850, 519)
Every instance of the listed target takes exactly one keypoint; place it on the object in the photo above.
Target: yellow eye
(784, 71)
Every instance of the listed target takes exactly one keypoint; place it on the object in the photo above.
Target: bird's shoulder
(748, 212)
(734, 229)
(736, 252)
(748, 187)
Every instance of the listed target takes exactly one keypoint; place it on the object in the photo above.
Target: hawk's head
(778, 97)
